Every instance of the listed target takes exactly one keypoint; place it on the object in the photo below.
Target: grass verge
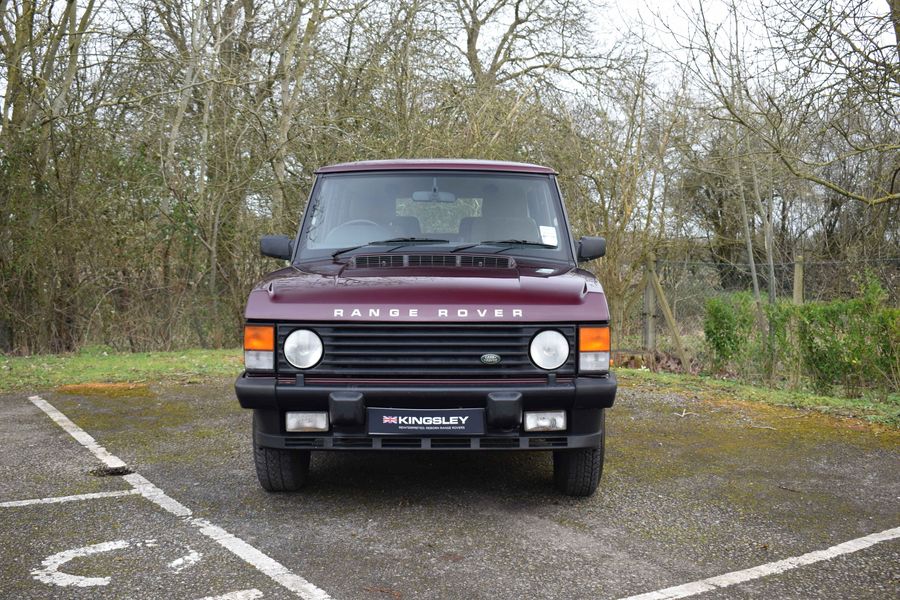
(99, 365)
(47, 371)
(868, 407)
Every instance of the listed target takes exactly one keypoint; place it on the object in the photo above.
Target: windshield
(435, 211)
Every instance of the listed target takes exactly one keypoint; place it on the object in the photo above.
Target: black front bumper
(579, 392)
(544, 441)
(583, 399)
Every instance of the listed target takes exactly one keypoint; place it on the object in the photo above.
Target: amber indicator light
(593, 339)
(259, 337)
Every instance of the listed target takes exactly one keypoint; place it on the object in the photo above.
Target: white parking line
(252, 556)
(235, 545)
(57, 499)
(241, 595)
(157, 496)
(772, 568)
(78, 433)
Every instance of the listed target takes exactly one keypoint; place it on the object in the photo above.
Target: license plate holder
(425, 422)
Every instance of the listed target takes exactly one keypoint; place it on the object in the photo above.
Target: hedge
(852, 343)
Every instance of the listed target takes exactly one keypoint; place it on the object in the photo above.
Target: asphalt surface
(692, 489)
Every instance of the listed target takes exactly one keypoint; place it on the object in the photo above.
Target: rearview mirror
(433, 197)
(591, 247)
(276, 246)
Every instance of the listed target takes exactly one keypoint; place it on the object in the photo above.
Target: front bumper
(584, 399)
(545, 441)
(579, 392)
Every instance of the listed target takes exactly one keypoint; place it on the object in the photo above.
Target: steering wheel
(355, 232)
(356, 222)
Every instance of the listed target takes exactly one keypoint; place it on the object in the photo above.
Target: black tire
(280, 470)
(577, 472)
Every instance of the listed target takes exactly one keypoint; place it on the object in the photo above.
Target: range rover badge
(490, 358)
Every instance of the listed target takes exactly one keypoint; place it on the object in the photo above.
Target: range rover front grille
(402, 350)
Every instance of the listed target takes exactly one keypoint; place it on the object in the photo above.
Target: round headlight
(549, 349)
(303, 348)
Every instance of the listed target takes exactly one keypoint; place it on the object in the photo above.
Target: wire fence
(822, 279)
(687, 285)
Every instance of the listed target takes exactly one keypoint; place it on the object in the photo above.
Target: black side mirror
(276, 246)
(591, 247)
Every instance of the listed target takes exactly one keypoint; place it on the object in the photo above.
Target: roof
(435, 164)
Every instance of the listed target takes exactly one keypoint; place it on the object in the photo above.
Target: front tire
(577, 472)
(280, 470)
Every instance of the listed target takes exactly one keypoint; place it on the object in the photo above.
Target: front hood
(330, 292)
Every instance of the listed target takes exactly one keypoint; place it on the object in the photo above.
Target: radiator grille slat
(413, 350)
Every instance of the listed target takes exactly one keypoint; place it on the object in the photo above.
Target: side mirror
(591, 247)
(276, 246)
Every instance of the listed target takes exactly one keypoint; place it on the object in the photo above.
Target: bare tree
(508, 39)
(836, 101)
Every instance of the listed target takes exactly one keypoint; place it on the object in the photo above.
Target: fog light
(306, 421)
(259, 360)
(597, 362)
(545, 421)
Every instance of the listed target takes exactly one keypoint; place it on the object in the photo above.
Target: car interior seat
(406, 226)
(503, 218)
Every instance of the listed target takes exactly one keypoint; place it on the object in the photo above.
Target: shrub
(852, 343)
(727, 326)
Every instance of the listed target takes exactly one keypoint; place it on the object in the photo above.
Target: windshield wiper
(350, 249)
(466, 247)
(511, 243)
(514, 243)
(410, 241)
(407, 239)
(399, 241)
(518, 243)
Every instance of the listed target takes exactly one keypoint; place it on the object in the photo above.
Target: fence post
(798, 280)
(795, 326)
(667, 313)
(649, 317)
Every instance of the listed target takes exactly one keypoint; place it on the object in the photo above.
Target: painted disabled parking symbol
(51, 573)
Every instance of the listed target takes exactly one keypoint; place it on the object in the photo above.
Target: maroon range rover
(429, 305)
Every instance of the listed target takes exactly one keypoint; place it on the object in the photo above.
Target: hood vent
(386, 261)
(430, 260)
(378, 260)
(488, 262)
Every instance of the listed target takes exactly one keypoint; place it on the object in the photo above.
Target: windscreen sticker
(548, 235)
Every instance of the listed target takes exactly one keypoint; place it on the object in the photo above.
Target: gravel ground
(691, 489)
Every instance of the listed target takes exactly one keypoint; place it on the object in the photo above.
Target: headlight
(549, 349)
(303, 348)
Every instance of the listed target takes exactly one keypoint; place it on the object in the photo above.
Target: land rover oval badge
(490, 358)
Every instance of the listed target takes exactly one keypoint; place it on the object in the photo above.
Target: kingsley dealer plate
(405, 421)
